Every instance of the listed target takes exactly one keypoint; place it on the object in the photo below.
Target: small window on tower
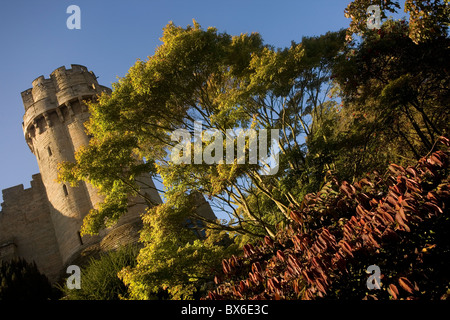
(79, 238)
(49, 151)
(66, 193)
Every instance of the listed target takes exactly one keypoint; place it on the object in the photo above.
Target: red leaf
(433, 207)
(393, 291)
(294, 263)
(268, 241)
(365, 182)
(402, 213)
(226, 266)
(256, 267)
(412, 171)
(406, 284)
(280, 255)
(321, 286)
(296, 216)
(346, 247)
(242, 286)
(391, 200)
(444, 140)
(396, 169)
(360, 210)
(400, 221)
(433, 197)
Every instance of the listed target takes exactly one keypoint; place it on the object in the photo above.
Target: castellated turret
(53, 125)
(42, 223)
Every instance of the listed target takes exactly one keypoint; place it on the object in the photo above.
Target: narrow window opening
(49, 151)
(79, 238)
(66, 193)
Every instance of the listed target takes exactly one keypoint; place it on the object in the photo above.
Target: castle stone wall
(27, 230)
(53, 125)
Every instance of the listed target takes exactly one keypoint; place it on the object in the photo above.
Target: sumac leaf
(225, 266)
(393, 291)
(268, 241)
(396, 169)
(256, 267)
(346, 247)
(280, 255)
(406, 284)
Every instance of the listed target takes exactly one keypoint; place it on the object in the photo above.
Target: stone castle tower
(42, 223)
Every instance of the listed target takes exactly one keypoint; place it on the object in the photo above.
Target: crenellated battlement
(11, 194)
(62, 85)
(57, 98)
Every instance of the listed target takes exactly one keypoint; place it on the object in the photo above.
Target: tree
(174, 258)
(227, 83)
(393, 87)
(428, 20)
(341, 110)
(395, 98)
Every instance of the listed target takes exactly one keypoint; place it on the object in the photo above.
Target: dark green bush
(20, 280)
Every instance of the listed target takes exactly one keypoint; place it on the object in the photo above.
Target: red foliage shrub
(346, 227)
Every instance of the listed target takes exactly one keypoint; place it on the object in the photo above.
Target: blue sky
(34, 40)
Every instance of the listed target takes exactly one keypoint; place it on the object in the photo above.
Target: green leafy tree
(176, 259)
(227, 82)
(394, 99)
(342, 109)
(428, 19)
(393, 92)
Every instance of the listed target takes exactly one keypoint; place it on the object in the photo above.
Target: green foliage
(428, 19)
(99, 280)
(109, 165)
(395, 100)
(225, 81)
(178, 260)
(20, 280)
